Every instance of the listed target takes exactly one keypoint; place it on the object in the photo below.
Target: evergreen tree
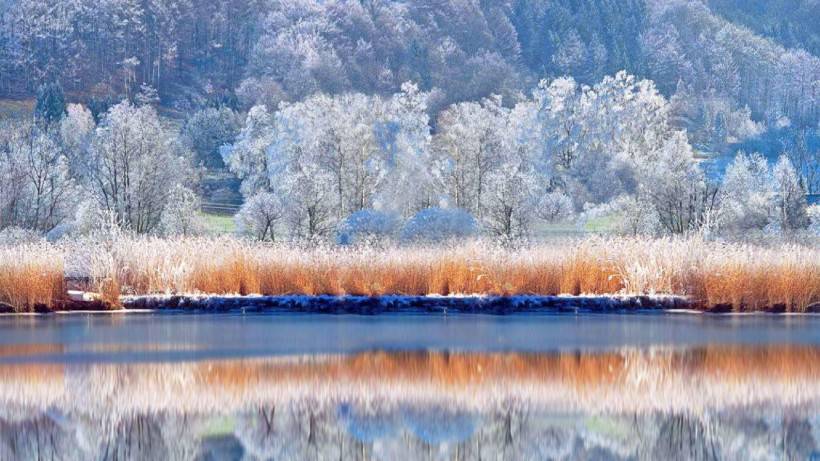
(51, 104)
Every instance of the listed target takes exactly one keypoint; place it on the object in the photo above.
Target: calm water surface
(256, 386)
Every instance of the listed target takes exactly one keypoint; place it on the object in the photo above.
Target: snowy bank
(369, 305)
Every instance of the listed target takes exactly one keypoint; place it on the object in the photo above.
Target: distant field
(16, 108)
(599, 225)
(216, 224)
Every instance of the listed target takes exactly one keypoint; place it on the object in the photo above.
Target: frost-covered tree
(789, 196)
(180, 216)
(554, 206)
(755, 196)
(207, 130)
(588, 140)
(76, 129)
(805, 156)
(467, 149)
(36, 189)
(405, 137)
(327, 157)
(511, 197)
(50, 106)
(746, 194)
(247, 158)
(676, 188)
(813, 212)
(261, 217)
(135, 164)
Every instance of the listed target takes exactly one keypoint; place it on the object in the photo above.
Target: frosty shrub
(814, 218)
(637, 216)
(367, 225)
(554, 206)
(209, 129)
(260, 216)
(790, 196)
(747, 194)
(181, 214)
(90, 220)
(634, 216)
(18, 236)
(439, 224)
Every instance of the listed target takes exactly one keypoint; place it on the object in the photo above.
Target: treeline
(352, 167)
(355, 166)
(194, 54)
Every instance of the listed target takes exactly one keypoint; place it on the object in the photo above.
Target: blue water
(176, 386)
(180, 336)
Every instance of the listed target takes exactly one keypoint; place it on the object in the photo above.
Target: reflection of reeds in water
(625, 381)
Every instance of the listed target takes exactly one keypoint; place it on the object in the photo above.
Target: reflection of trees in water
(683, 437)
(312, 431)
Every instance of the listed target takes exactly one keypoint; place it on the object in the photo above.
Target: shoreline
(89, 303)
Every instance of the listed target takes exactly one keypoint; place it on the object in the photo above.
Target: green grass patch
(218, 224)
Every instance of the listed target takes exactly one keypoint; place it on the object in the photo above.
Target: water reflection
(718, 402)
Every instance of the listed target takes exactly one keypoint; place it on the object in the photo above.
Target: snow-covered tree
(789, 196)
(36, 189)
(261, 217)
(247, 158)
(746, 195)
(207, 130)
(813, 212)
(76, 129)
(180, 216)
(676, 188)
(405, 139)
(134, 166)
(554, 206)
(467, 149)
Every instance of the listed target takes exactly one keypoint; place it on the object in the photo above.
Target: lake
(397, 386)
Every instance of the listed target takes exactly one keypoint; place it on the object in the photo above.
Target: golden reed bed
(741, 276)
(630, 380)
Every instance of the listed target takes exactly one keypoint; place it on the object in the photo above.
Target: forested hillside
(337, 115)
(792, 23)
(198, 53)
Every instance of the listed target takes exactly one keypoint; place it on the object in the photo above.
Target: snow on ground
(408, 304)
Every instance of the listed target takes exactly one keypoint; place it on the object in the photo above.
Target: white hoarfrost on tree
(405, 139)
(248, 157)
(747, 194)
(790, 197)
(813, 212)
(76, 129)
(261, 217)
(36, 188)
(134, 166)
(180, 216)
(327, 157)
(671, 182)
(467, 149)
(554, 207)
(755, 196)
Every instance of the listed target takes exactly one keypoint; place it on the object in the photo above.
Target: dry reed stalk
(741, 276)
(31, 277)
